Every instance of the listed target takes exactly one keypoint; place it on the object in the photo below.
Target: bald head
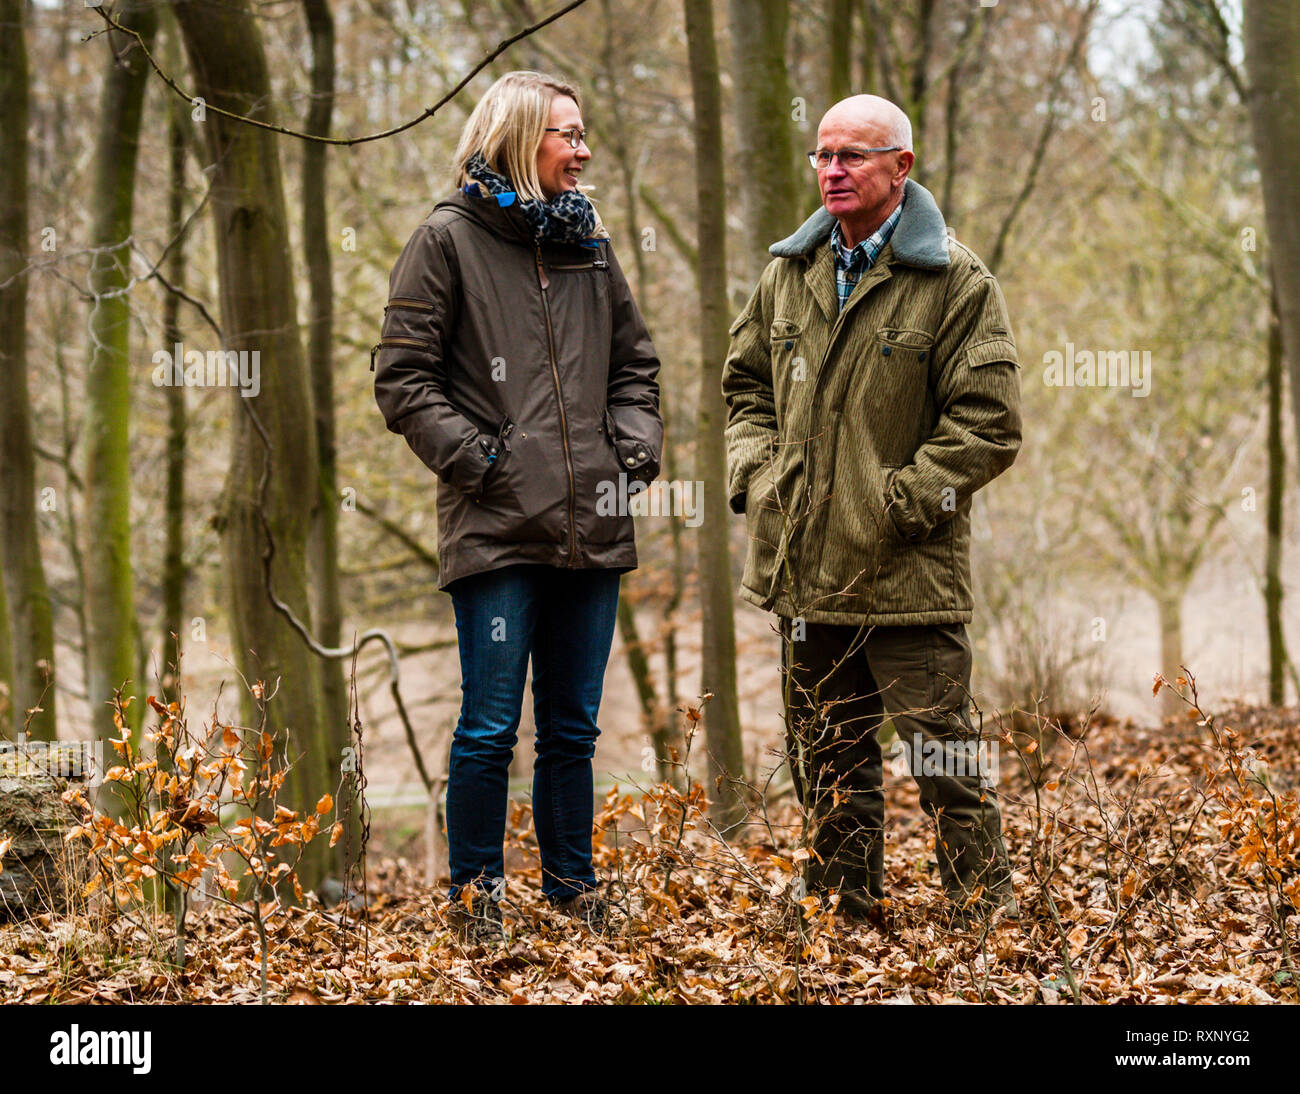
(872, 118)
(864, 194)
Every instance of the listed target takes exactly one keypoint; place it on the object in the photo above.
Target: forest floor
(1152, 864)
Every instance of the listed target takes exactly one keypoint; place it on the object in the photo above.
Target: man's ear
(905, 161)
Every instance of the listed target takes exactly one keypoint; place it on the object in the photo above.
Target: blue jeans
(563, 620)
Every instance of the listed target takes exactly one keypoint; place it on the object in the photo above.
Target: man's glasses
(821, 158)
(576, 136)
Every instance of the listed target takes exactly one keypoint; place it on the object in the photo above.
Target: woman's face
(558, 164)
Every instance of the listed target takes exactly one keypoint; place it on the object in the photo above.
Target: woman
(515, 363)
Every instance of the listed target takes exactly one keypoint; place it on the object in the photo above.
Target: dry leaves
(1158, 888)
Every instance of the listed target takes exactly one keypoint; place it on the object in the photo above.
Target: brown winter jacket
(539, 354)
(856, 438)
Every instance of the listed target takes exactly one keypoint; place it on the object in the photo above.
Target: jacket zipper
(594, 264)
(415, 343)
(542, 282)
(407, 302)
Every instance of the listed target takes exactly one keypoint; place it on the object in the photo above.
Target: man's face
(558, 164)
(864, 195)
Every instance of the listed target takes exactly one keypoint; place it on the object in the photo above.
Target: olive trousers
(839, 685)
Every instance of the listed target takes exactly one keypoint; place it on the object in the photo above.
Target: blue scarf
(567, 218)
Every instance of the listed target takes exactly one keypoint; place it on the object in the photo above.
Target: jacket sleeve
(977, 433)
(751, 403)
(632, 397)
(410, 363)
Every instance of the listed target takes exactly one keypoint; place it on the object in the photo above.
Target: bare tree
(273, 486)
(718, 629)
(112, 624)
(764, 133)
(320, 341)
(1271, 32)
(31, 627)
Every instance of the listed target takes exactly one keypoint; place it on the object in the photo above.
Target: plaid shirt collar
(852, 263)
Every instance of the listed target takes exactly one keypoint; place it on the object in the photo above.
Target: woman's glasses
(574, 136)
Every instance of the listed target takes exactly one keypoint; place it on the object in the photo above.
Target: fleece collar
(920, 239)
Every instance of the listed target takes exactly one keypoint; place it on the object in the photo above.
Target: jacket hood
(920, 239)
(506, 220)
(503, 220)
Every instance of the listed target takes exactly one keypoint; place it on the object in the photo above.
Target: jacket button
(914, 535)
(640, 455)
(789, 345)
(884, 351)
(630, 462)
(921, 356)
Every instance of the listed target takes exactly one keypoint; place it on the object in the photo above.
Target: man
(872, 387)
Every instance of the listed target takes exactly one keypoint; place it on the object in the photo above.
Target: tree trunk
(1271, 32)
(320, 337)
(1276, 485)
(31, 626)
(174, 571)
(839, 51)
(718, 630)
(6, 668)
(258, 315)
(63, 160)
(919, 84)
(1170, 608)
(867, 55)
(638, 665)
(174, 568)
(658, 714)
(110, 589)
(764, 128)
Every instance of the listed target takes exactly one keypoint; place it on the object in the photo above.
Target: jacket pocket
(581, 276)
(634, 458)
(765, 526)
(896, 406)
(992, 351)
(786, 337)
(844, 531)
(918, 577)
(496, 448)
(614, 486)
(594, 264)
(941, 531)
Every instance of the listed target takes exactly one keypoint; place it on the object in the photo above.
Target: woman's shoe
(589, 907)
(480, 925)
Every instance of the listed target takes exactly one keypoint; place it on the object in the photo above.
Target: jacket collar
(920, 239)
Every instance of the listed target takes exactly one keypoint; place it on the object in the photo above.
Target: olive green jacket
(856, 438)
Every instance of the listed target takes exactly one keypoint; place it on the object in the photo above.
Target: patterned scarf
(569, 217)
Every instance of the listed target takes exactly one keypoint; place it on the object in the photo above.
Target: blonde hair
(508, 125)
